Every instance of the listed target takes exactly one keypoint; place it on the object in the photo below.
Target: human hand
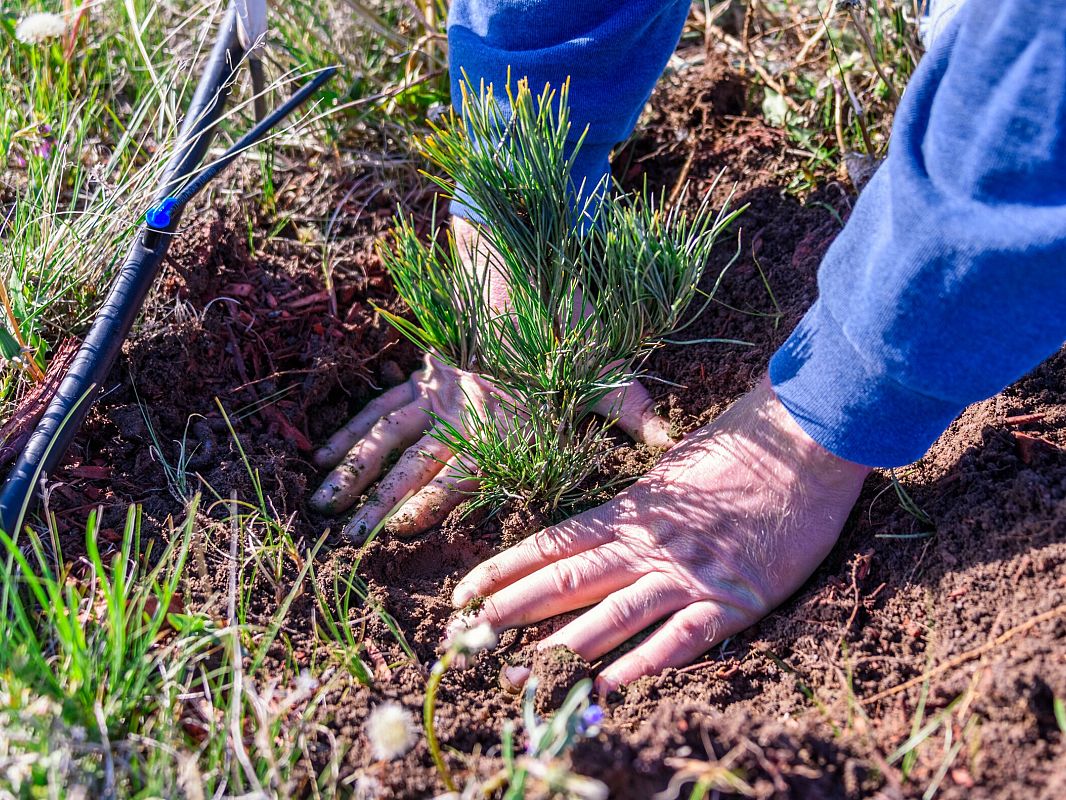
(397, 422)
(729, 524)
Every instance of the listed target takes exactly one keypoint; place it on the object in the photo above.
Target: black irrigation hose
(159, 216)
(115, 318)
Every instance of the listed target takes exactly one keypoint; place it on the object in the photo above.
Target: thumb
(633, 410)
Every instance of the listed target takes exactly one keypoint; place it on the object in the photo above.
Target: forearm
(949, 280)
(611, 51)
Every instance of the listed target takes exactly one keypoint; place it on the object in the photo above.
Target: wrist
(810, 454)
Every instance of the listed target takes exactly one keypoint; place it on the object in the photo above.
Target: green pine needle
(596, 282)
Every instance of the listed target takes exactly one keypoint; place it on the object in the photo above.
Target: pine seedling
(594, 283)
(444, 298)
(523, 456)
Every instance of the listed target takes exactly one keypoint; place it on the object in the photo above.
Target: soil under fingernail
(356, 530)
(322, 500)
(513, 677)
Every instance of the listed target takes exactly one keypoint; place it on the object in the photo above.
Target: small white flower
(560, 779)
(391, 731)
(469, 640)
(18, 771)
(40, 27)
(306, 682)
(367, 787)
(479, 638)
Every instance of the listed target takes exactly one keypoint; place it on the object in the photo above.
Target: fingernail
(462, 595)
(604, 686)
(513, 677)
(356, 529)
(657, 433)
(323, 457)
(402, 525)
(322, 500)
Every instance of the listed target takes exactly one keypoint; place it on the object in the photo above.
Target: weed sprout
(543, 767)
(595, 283)
(463, 642)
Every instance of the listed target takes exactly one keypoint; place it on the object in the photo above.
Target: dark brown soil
(813, 701)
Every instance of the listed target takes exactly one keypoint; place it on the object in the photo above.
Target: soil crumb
(556, 670)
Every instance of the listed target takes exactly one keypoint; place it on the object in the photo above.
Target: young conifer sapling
(594, 281)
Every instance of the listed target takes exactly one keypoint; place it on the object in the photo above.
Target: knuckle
(549, 545)
(380, 428)
(377, 406)
(490, 612)
(617, 613)
(565, 579)
(694, 632)
(643, 405)
(418, 454)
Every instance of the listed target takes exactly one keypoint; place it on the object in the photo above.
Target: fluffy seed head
(40, 27)
(391, 731)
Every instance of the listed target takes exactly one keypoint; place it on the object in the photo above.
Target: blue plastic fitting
(158, 216)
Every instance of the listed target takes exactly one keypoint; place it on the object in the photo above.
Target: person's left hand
(728, 525)
(421, 487)
(422, 482)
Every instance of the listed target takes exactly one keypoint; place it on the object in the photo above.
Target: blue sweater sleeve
(613, 52)
(949, 280)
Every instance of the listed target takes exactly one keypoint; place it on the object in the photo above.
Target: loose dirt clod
(556, 670)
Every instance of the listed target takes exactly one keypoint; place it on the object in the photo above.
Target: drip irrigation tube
(113, 321)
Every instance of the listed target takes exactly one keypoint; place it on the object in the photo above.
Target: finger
(331, 453)
(556, 588)
(551, 544)
(620, 616)
(419, 464)
(395, 431)
(434, 502)
(633, 410)
(689, 633)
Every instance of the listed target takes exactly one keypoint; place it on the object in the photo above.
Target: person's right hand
(723, 529)
(398, 422)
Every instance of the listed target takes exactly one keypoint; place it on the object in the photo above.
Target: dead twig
(16, 431)
(969, 655)
(864, 34)
(759, 70)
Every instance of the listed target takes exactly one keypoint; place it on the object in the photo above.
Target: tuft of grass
(115, 682)
(595, 283)
(829, 73)
(88, 121)
(100, 652)
(959, 727)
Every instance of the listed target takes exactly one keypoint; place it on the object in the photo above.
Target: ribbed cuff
(591, 166)
(847, 403)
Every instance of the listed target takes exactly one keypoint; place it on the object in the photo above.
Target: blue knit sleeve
(613, 52)
(949, 281)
